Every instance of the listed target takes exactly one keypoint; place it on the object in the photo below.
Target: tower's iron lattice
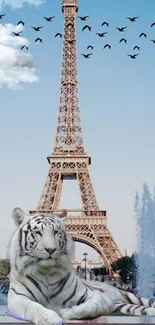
(69, 160)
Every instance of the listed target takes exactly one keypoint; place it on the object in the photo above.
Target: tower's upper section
(72, 3)
(69, 139)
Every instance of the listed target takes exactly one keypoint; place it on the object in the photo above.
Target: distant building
(127, 252)
(89, 264)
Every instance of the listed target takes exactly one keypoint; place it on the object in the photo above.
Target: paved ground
(101, 320)
(127, 320)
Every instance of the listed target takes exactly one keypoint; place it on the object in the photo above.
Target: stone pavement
(127, 320)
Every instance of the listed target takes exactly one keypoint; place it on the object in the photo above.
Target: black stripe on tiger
(140, 300)
(23, 284)
(150, 303)
(135, 308)
(72, 294)
(20, 238)
(18, 293)
(46, 285)
(125, 295)
(88, 286)
(61, 286)
(118, 308)
(55, 283)
(36, 285)
(84, 296)
(129, 308)
(143, 310)
(26, 242)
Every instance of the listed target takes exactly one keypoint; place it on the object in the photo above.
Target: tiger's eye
(55, 232)
(38, 233)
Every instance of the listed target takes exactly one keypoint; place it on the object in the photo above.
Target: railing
(72, 212)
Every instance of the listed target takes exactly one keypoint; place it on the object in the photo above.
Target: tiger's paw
(69, 313)
(48, 317)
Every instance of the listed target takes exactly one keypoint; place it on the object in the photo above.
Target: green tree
(103, 270)
(4, 266)
(96, 271)
(127, 269)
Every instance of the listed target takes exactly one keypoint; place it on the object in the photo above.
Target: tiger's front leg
(92, 308)
(21, 307)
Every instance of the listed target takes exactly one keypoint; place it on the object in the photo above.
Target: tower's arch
(94, 245)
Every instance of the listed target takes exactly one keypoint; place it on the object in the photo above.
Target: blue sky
(117, 112)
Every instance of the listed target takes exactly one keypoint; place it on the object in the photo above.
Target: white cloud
(16, 66)
(16, 4)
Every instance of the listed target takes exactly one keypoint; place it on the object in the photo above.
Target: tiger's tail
(132, 309)
(135, 305)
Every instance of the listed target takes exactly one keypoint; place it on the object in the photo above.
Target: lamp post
(85, 259)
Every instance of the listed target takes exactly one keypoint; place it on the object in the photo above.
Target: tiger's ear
(62, 215)
(18, 216)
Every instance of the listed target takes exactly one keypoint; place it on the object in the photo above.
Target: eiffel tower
(69, 159)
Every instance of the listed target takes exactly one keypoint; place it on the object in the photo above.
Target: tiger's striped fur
(43, 286)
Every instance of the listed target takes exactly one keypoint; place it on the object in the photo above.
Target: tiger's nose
(50, 250)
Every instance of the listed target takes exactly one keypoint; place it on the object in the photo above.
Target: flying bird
(24, 46)
(72, 41)
(21, 22)
(121, 29)
(39, 39)
(83, 18)
(123, 40)
(86, 56)
(132, 18)
(136, 47)
(49, 18)
(37, 29)
(90, 47)
(105, 23)
(101, 34)
(70, 24)
(1, 16)
(143, 34)
(152, 24)
(107, 45)
(133, 56)
(152, 40)
(17, 34)
(86, 26)
(58, 34)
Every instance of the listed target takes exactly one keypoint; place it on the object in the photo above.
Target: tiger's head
(40, 243)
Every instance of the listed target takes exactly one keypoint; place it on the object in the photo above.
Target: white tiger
(43, 286)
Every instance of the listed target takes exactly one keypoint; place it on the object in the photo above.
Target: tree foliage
(127, 269)
(96, 271)
(4, 266)
(103, 271)
(100, 271)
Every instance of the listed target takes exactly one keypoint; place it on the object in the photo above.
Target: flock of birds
(84, 18)
(120, 29)
(37, 29)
